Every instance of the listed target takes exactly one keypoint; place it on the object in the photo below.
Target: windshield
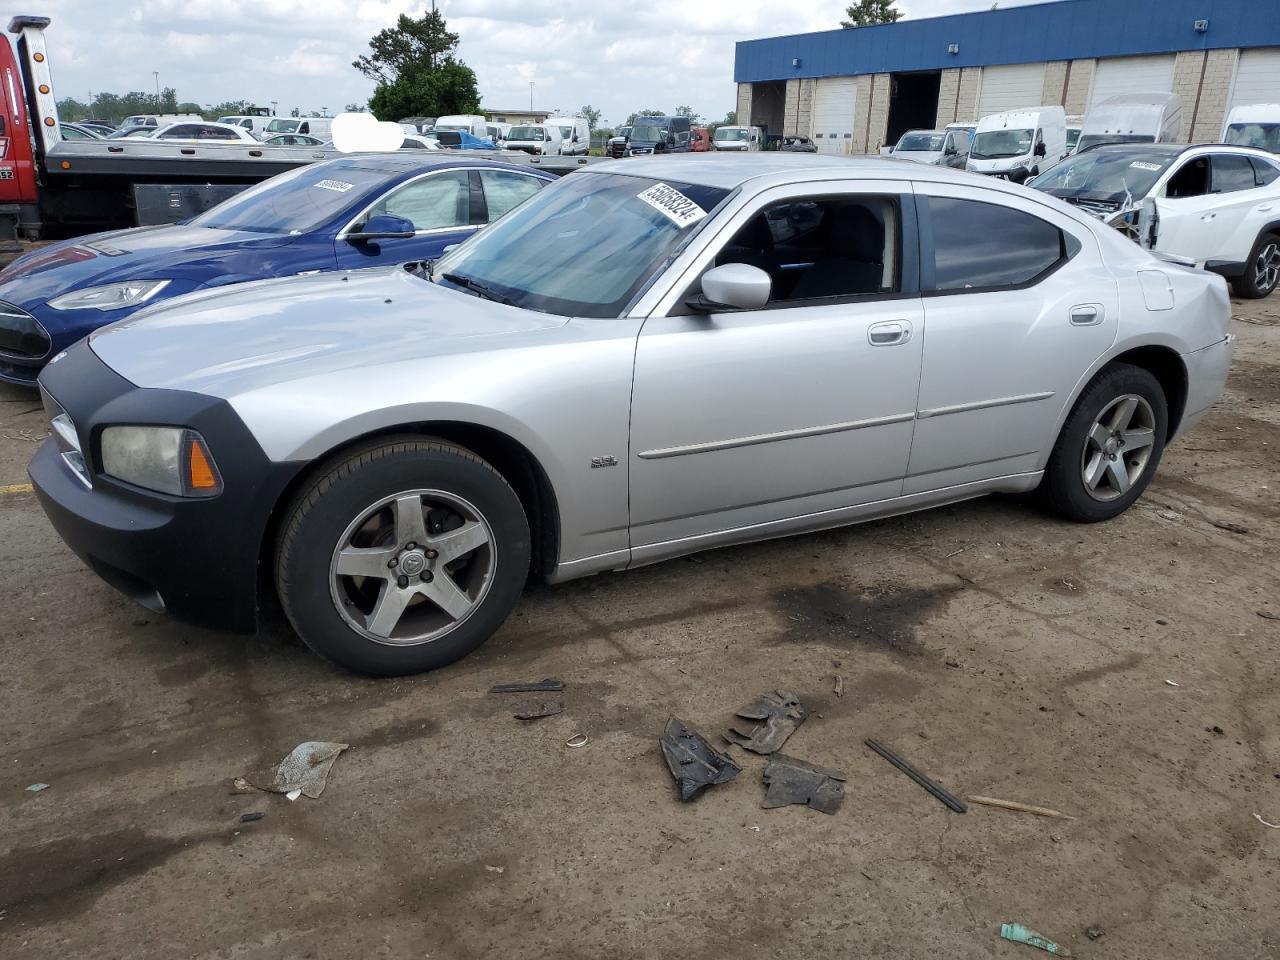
(731, 133)
(283, 126)
(930, 142)
(1095, 139)
(292, 202)
(585, 245)
(995, 144)
(623, 132)
(1110, 175)
(1263, 135)
(1073, 137)
(527, 133)
(647, 131)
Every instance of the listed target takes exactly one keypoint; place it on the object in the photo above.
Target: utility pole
(273, 107)
(531, 96)
(156, 74)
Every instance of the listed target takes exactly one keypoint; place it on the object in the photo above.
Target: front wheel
(1262, 272)
(403, 556)
(1109, 447)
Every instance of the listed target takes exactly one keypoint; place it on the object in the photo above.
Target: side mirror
(738, 286)
(383, 227)
(1040, 149)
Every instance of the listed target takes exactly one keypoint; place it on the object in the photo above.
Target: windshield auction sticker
(672, 204)
(341, 186)
(1144, 165)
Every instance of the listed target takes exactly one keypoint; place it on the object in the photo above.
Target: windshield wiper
(476, 287)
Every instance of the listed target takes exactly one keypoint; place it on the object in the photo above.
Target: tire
(1262, 272)
(1079, 456)
(357, 514)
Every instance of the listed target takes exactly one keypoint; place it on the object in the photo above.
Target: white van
(540, 139)
(463, 123)
(498, 132)
(1018, 144)
(157, 120)
(1133, 118)
(1253, 125)
(734, 138)
(321, 127)
(575, 135)
(255, 125)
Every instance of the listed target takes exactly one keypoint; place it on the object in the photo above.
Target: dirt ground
(1005, 652)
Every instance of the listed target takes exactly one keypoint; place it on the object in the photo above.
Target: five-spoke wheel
(1118, 447)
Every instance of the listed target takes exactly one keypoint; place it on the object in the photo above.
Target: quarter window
(1232, 173)
(1263, 171)
(979, 245)
(436, 202)
(504, 190)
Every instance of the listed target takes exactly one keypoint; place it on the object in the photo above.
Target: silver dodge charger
(646, 359)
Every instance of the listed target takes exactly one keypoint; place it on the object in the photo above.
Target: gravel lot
(1006, 653)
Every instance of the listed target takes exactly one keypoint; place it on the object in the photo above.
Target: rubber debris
(1017, 933)
(693, 762)
(535, 711)
(305, 770)
(776, 716)
(536, 686)
(788, 780)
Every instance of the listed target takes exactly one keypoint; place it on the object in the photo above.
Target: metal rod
(939, 791)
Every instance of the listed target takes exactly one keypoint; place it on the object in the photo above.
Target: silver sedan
(646, 359)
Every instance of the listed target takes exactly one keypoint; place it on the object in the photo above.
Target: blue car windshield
(293, 202)
(584, 246)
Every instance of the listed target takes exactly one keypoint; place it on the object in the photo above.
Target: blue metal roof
(1064, 30)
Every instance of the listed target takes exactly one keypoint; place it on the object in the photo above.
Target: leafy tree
(356, 108)
(592, 115)
(687, 112)
(449, 88)
(866, 13)
(644, 113)
(416, 71)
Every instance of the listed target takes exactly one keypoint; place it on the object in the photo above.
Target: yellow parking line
(15, 488)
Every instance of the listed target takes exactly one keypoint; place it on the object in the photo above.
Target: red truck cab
(699, 139)
(19, 198)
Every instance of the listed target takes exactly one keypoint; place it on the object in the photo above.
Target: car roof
(731, 170)
(1177, 149)
(400, 163)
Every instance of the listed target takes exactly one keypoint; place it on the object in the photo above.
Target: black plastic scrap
(788, 780)
(777, 714)
(537, 686)
(932, 786)
(693, 762)
(535, 711)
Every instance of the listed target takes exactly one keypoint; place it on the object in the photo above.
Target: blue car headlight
(111, 296)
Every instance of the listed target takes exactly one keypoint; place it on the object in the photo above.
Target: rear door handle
(1208, 216)
(889, 334)
(1086, 315)
(1265, 207)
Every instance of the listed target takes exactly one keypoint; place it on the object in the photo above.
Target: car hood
(144, 253)
(231, 340)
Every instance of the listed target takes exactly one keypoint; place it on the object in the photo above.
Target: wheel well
(1167, 367)
(509, 457)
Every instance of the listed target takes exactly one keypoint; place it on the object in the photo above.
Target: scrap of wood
(839, 685)
(1021, 807)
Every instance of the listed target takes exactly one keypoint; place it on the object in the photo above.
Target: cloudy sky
(619, 57)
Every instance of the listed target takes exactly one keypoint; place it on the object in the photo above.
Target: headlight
(112, 296)
(171, 460)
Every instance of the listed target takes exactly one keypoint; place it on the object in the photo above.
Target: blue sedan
(353, 212)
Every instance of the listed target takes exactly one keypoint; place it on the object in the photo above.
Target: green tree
(356, 108)
(416, 71)
(592, 115)
(867, 13)
(688, 112)
(644, 113)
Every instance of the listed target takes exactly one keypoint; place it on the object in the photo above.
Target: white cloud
(659, 53)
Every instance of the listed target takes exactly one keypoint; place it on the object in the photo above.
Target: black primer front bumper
(194, 559)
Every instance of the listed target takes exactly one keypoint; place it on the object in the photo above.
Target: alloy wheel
(412, 567)
(1118, 447)
(1266, 269)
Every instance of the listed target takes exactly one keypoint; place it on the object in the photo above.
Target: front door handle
(889, 334)
(1208, 216)
(1086, 315)
(1265, 207)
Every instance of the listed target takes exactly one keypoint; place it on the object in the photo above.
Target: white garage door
(1117, 75)
(1010, 87)
(1257, 77)
(833, 115)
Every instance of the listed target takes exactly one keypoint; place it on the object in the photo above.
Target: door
(833, 115)
(1116, 75)
(1011, 87)
(1206, 202)
(1017, 306)
(1257, 78)
(806, 405)
(445, 207)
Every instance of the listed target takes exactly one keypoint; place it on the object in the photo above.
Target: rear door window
(1232, 173)
(986, 246)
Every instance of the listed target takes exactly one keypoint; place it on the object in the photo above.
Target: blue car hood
(163, 252)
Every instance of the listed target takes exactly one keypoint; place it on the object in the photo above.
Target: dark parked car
(617, 145)
(797, 145)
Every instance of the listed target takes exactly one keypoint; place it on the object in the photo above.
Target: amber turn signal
(200, 476)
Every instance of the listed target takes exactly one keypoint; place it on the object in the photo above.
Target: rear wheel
(1109, 447)
(1262, 272)
(404, 556)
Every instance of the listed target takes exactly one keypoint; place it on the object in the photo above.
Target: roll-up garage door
(1010, 87)
(1117, 75)
(833, 115)
(1257, 77)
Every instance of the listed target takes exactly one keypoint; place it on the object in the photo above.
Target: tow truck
(52, 188)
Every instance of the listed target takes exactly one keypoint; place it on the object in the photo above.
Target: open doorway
(913, 103)
(768, 106)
